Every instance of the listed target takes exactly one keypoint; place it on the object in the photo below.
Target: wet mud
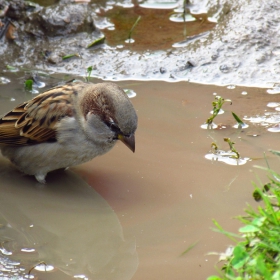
(131, 216)
(220, 42)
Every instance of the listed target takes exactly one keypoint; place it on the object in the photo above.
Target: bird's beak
(129, 141)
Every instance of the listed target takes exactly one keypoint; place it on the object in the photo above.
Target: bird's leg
(41, 178)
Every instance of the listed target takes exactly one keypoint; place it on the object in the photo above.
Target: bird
(67, 125)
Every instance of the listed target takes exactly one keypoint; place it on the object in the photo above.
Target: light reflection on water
(73, 229)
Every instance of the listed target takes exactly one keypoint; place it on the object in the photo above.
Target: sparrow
(66, 126)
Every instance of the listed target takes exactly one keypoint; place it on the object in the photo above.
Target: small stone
(162, 70)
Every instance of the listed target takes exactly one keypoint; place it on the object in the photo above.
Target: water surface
(131, 216)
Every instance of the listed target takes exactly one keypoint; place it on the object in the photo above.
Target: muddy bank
(242, 48)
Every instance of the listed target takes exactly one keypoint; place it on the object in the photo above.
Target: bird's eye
(113, 127)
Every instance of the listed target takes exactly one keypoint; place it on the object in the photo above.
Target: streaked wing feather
(35, 121)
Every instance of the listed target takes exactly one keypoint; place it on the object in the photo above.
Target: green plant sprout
(96, 42)
(237, 155)
(132, 28)
(70, 55)
(28, 85)
(217, 105)
(239, 121)
(214, 148)
(89, 70)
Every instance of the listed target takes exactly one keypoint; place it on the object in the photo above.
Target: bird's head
(108, 115)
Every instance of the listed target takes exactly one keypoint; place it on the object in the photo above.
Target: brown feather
(34, 121)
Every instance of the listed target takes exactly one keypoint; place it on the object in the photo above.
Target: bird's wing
(35, 121)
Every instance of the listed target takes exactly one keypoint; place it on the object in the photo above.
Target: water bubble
(244, 92)
(231, 86)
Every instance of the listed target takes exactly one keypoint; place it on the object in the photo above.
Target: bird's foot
(41, 178)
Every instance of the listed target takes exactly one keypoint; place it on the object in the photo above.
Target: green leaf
(258, 221)
(240, 257)
(132, 28)
(248, 229)
(70, 55)
(214, 278)
(277, 153)
(237, 118)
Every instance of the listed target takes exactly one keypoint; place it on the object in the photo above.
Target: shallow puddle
(131, 216)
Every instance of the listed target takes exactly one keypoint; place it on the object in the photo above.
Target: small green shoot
(96, 42)
(70, 56)
(28, 85)
(132, 28)
(237, 155)
(11, 68)
(214, 148)
(239, 121)
(217, 105)
(189, 248)
(89, 70)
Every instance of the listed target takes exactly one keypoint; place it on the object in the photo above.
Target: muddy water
(131, 216)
